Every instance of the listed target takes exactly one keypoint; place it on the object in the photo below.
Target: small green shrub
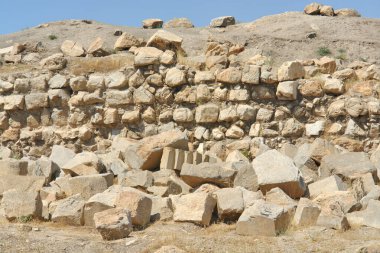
(25, 219)
(323, 51)
(52, 37)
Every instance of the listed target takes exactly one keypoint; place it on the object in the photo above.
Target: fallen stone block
(222, 21)
(139, 203)
(263, 219)
(87, 186)
(230, 203)
(369, 217)
(306, 213)
(161, 209)
(220, 174)
(147, 153)
(21, 183)
(113, 224)
(326, 185)
(13, 167)
(194, 207)
(85, 163)
(349, 165)
(69, 211)
(21, 205)
(43, 167)
(137, 179)
(373, 194)
(274, 169)
(246, 176)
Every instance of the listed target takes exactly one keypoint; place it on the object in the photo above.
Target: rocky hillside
(121, 128)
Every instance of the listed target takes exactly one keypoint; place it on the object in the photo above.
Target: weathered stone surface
(246, 176)
(326, 185)
(152, 23)
(13, 167)
(290, 71)
(313, 9)
(89, 185)
(100, 202)
(161, 209)
(14, 102)
(18, 204)
(54, 62)
(96, 48)
(327, 10)
(21, 183)
(230, 76)
(230, 203)
(146, 154)
(165, 40)
(207, 113)
(85, 163)
(69, 211)
(311, 88)
(263, 219)
(348, 165)
(193, 207)
(126, 41)
(333, 86)
(326, 65)
(347, 13)
(116, 80)
(175, 77)
(222, 21)
(369, 217)
(113, 224)
(274, 169)
(179, 23)
(306, 213)
(61, 155)
(183, 115)
(287, 90)
(138, 203)
(215, 173)
(147, 56)
(35, 101)
(72, 48)
(137, 179)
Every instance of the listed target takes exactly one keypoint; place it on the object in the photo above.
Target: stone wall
(154, 88)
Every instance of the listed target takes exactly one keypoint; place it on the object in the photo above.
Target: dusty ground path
(216, 238)
(280, 36)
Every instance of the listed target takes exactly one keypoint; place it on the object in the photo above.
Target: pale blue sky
(20, 14)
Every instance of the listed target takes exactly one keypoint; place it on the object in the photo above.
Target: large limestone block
(349, 165)
(137, 179)
(194, 207)
(43, 167)
(12, 166)
(230, 203)
(333, 86)
(326, 185)
(21, 183)
(207, 113)
(221, 174)
(313, 9)
(274, 169)
(139, 203)
(230, 76)
(61, 155)
(69, 211)
(161, 209)
(290, 71)
(113, 224)
(85, 163)
(100, 202)
(146, 154)
(89, 185)
(374, 193)
(18, 204)
(263, 219)
(369, 217)
(306, 213)
(179, 23)
(246, 176)
(72, 48)
(337, 203)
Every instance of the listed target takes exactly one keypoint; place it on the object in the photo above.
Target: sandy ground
(51, 237)
(280, 36)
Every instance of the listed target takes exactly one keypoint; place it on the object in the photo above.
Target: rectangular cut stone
(167, 159)
(197, 158)
(189, 157)
(179, 159)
